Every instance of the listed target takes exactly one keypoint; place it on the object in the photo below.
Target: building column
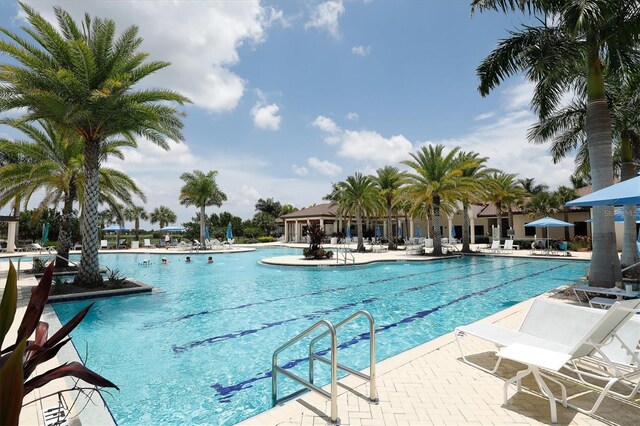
(472, 231)
(322, 224)
(450, 224)
(296, 234)
(11, 237)
(412, 231)
(384, 228)
(286, 231)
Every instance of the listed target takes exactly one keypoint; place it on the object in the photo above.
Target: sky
(290, 96)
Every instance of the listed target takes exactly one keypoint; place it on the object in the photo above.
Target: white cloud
(369, 146)
(361, 50)
(484, 116)
(202, 51)
(325, 16)
(326, 168)
(300, 170)
(266, 117)
(329, 127)
(518, 95)
(353, 116)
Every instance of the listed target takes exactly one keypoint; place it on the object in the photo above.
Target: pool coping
(101, 294)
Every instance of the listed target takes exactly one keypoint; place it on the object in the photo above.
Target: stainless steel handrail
(346, 252)
(275, 369)
(372, 354)
(64, 258)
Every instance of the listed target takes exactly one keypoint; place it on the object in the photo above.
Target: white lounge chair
(182, 245)
(428, 243)
(585, 335)
(147, 242)
(36, 246)
(104, 244)
(214, 244)
(495, 247)
(508, 245)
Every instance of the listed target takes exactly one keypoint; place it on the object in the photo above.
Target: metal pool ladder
(333, 362)
(343, 253)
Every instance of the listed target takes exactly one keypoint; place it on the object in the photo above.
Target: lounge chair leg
(545, 390)
(514, 379)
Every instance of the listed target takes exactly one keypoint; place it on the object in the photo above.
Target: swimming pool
(200, 351)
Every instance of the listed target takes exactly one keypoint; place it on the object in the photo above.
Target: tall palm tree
(136, 213)
(356, 196)
(82, 78)
(563, 195)
(163, 216)
(201, 190)
(388, 180)
(269, 206)
(542, 204)
(585, 37)
(52, 161)
(436, 180)
(531, 187)
(503, 190)
(477, 176)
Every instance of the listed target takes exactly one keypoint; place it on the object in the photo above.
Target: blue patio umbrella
(453, 232)
(45, 233)
(348, 231)
(620, 194)
(115, 228)
(378, 231)
(548, 222)
(399, 231)
(418, 234)
(229, 232)
(618, 215)
(206, 232)
(173, 228)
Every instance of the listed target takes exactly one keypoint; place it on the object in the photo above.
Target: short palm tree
(201, 190)
(388, 180)
(163, 216)
(503, 190)
(356, 196)
(531, 187)
(52, 161)
(477, 176)
(565, 52)
(436, 180)
(136, 213)
(83, 78)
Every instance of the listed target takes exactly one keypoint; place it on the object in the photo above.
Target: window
(580, 228)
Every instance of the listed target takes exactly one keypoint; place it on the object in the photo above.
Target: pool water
(199, 351)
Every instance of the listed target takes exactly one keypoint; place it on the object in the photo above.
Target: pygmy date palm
(83, 78)
(201, 190)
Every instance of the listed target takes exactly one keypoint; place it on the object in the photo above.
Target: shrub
(315, 251)
(266, 239)
(20, 360)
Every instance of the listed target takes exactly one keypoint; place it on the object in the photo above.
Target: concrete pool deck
(424, 385)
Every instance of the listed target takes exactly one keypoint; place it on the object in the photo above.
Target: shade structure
(173, 228)
(620, 194)
(418, 234)
(116, 228)
(378, 231)
(45, 233)
(206, 232)
(229, 232)
(548, 222)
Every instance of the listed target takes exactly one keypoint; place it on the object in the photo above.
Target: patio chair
(182, 245)
(585, 336)
(508, 245)
(36, 246)
(104, 244)
(146, 242)
(495, 247)
(214, 244)
(122, 243)
(197, 245)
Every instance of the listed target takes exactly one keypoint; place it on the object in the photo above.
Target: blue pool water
(200, 351)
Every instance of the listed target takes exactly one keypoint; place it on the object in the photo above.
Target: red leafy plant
(19, 360)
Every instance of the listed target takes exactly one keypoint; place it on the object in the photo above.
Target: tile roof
(318, 210)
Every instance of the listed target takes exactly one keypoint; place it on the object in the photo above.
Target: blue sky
(289, 96)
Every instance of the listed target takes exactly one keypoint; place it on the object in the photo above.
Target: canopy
(549, 222)
(348, 232)
(229, 232)
(173, 228)
(115, 228)
(620, 194)
(453, 232)
(618, 215)
(399, 231)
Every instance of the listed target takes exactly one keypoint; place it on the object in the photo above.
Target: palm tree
(503, 190)
(286, 209)
(563, 195)
(356, 196)
(543, 204)
(135, 213)
(477, 176)
(201, 190)
(436, 180)
(388, 180)
(163, 216)
(529, 185)
(52, 161)
(585, 38)
(269, 206)
(82, 78)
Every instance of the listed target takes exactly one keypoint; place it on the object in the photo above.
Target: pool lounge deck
(422, 386)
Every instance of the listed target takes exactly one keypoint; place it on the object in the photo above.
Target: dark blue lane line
(314, 293)
(225, 393)
(316, 314)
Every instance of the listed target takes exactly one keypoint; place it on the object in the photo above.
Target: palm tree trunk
(391, 245)
(510, 218)
(64, 237)
(629, 249)
(89, 273)
(437, 235)
(137, 225)
(604, 270)
(202, 225)
(465, 228)
(499, 216)
(360, 248)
